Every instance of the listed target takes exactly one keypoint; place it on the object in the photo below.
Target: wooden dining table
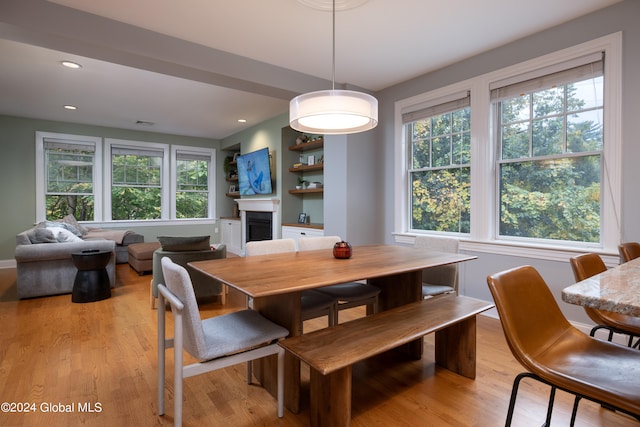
(616, 290)
(274, 284)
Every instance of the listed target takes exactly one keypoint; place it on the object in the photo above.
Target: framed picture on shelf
(302, 218)
(232, 189)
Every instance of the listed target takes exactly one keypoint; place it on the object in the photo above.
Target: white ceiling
(226, 60)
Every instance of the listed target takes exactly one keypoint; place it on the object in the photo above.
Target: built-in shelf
(311, 145)
(233, 195)
(307, 190)
(308, 168)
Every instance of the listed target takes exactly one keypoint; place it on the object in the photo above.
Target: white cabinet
(231, 234)
(289, 232)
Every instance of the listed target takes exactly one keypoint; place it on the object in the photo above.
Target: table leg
(284, 310)
(397, 290)
(456, 348)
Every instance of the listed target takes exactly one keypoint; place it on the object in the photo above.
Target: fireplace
(265, 213)
(258, 225)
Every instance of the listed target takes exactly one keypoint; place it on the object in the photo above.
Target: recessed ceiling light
(242, 121)
(71, 64)
(70, 107)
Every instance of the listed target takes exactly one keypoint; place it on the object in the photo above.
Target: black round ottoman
(92, 281)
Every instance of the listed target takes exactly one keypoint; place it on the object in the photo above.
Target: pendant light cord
(333, 59)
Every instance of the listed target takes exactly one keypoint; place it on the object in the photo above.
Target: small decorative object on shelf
(301, 139)
(342, 250)
(303, 218)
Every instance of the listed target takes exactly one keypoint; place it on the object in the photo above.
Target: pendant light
(333, 112)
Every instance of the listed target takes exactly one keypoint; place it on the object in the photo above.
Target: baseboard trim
(7, 263)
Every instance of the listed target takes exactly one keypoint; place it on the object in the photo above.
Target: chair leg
(514, 393)
(177, 370)
(552, 397)
(576, 401)
(161, 354)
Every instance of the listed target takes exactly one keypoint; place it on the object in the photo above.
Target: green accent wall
(17, 169)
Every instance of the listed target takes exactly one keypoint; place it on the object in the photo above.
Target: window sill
(150, 223)
(524, 250)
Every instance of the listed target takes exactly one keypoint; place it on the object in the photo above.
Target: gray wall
(17, 172)
(620, 17)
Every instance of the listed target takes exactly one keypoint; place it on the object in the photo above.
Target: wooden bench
(331, 352)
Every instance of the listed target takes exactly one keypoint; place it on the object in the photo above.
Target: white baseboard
(7, 263)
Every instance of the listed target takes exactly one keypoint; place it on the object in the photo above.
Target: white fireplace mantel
(259, 205)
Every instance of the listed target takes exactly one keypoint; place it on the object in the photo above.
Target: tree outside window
(136, 187)
(192, 186)
(551, 143)
(440, 171)
(69, 180)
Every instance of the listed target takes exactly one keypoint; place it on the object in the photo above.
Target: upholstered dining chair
(313, 303)
(438, 280)
(217, 342)
(590, 264)
(556, 353)
(348, 295)
(629, 251)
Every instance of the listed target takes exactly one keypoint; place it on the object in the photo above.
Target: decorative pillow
(42, 235)
(64, 225)
(63, 235)
(182, 244)
(72, 221)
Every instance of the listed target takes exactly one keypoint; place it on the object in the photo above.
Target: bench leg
(330, 404)
(456, 348)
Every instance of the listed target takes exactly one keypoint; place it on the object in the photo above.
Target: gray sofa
(47, 268)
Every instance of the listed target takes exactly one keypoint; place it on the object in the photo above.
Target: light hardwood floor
(101, 356)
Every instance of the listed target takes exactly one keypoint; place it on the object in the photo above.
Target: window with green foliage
(192, 185)
(69, 179)
(550, 133)
(136, 184)
(440, 164)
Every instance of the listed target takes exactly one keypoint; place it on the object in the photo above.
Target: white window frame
(110, 143)
(175, 149)
(41, 170)
(483, 175)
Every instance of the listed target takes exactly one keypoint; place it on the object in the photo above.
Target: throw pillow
(69, 227)
(42, 235)
(182, 244)
(72, 221)
(63, 235)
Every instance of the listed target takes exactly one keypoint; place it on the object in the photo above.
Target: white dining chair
(439, 280)
(216, 342)
(348, 295)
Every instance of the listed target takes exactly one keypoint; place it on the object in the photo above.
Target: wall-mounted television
(254, 173)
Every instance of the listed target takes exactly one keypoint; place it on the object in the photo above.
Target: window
(550, 144)
(544, 153)
(120, 180)
(66, 170)
(193, 182)
(439, 166)
(136, 183)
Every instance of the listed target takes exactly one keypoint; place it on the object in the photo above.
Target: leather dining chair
(216, 342)
(629, 251)
(590, 264)
(556, 353)
(313, 303)
(348, 295)
(438, 280)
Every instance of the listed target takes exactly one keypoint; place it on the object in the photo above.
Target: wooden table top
(266, 275)
(616, 290)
